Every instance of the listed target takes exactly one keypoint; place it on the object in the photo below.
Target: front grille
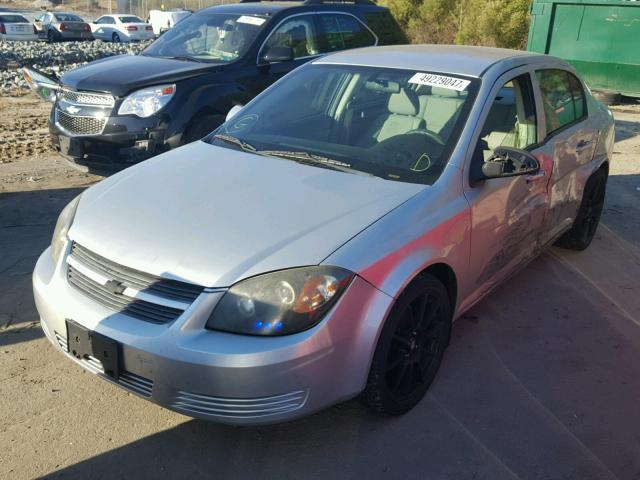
(87, 98)
(182, 291)
(193, 403)
(139, 295)
(80, 125)
(130, 381)
(140, 309)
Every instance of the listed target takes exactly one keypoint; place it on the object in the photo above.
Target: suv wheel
(201, 126)
(410, 348)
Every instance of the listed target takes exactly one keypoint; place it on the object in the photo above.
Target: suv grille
(80, 125)
(138, 295)
(86, 98)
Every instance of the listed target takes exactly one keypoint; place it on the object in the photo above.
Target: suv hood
(213, 216)
(122, 74)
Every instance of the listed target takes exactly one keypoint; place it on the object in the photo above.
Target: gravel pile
(53, 57)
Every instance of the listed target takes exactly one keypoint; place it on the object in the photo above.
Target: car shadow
(626, 129)
(27, 220)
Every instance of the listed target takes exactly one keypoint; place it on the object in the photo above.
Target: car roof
(271, 7)
(454, 59)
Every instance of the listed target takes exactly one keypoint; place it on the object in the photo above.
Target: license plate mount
(83, 343)
(70, 146)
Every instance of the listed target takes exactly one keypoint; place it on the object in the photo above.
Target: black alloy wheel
(410, 348)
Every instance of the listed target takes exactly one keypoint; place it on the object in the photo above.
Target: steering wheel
(432, 135)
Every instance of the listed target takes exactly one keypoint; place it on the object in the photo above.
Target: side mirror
(278, 54)
(233, 112)
(507, 162)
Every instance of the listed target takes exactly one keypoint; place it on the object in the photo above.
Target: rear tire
(116, 38)
(201, 126)
(51, 36)
(588, 217)
(410, 347)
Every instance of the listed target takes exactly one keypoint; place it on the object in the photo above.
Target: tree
(499, 23)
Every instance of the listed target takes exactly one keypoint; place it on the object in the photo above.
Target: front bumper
(220, 376)
(124, 141)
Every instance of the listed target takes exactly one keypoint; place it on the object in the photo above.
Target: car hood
(122, 74)
(212, 215)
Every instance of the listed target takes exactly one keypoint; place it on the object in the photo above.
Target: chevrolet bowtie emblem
(115, 287)
(71, 109)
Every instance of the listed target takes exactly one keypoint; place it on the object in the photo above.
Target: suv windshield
(214, 37)
(400, 125)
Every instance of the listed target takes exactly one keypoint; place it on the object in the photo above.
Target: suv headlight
(147, 101)
(65, 220)
(280, 303)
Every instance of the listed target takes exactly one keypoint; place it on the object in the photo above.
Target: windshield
(67, 17)
(400, 125)
(218, 38)
(130, 19)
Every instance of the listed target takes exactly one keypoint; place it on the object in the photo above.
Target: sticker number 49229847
(442, 81)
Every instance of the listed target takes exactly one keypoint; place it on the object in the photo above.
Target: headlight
(62, 227)
(46, 88)
(147, 101)
(280, 303)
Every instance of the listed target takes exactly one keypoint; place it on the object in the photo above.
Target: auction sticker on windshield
(251, 20)
(442, 81)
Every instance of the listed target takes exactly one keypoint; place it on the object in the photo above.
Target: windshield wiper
(235, 141)
(182, 57)
(311, 159)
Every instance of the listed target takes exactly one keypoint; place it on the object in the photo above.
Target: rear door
(572, 138)
(507, 214)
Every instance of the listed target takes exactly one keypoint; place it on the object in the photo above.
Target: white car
(121, 28)
(163, 20)
(14, 26)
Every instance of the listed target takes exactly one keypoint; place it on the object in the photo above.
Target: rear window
(67, 17)
(130, 19)
(562, 97)
(386, 28)
(344, 31)
(13, 19)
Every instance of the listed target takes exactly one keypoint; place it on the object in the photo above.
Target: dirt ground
(541, 381)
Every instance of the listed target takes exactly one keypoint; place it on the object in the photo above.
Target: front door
(507, 214)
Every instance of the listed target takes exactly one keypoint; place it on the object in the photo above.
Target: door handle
(582, 144)
(536, 177)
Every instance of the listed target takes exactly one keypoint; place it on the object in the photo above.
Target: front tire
(584, 227)
(410, 348)
(201, 126)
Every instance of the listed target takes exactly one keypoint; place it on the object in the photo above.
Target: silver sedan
(320, 243)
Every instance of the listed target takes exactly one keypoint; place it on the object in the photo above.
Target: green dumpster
(600, 38)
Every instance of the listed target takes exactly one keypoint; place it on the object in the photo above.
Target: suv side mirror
(507, 162)
(278, 53)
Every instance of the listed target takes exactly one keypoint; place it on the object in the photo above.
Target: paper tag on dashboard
(432, 80)
(251, 20)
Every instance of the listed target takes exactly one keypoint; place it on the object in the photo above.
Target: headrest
(444, 92)
(404, 103)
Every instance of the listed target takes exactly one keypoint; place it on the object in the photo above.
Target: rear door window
(562, 97)
(340, 32)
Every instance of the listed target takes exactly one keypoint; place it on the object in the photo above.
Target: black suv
(121, 110)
